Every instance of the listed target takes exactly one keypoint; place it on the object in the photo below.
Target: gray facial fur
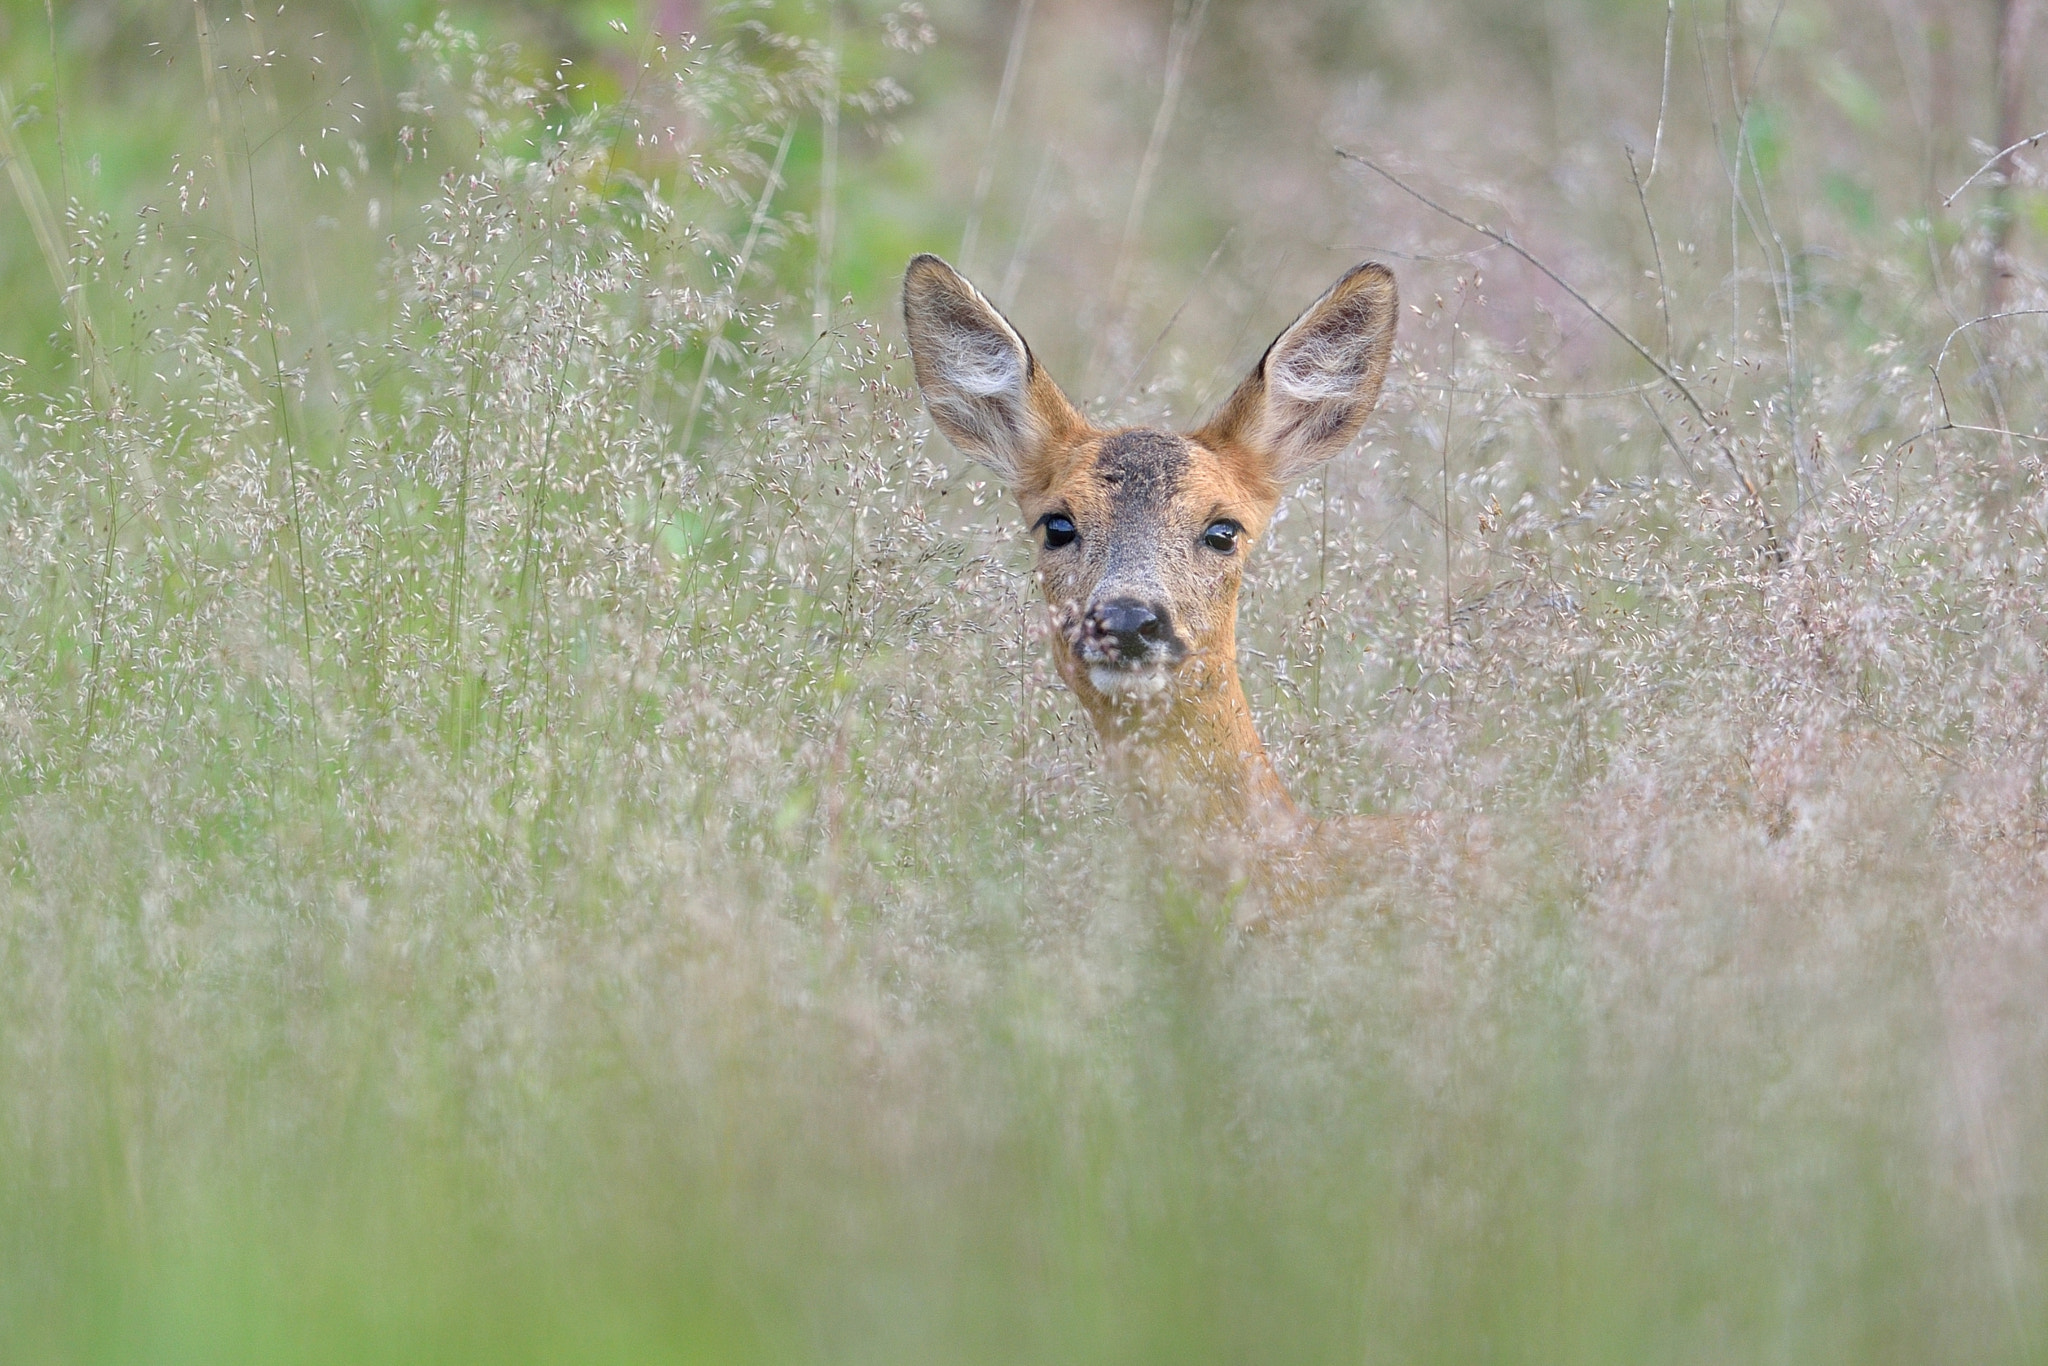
(1142, 471)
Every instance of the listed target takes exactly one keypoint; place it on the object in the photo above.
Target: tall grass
(538, 824)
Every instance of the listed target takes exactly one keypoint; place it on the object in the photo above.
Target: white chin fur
(1137, 683)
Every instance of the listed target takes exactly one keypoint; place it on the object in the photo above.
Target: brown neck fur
(1201, 786)
(1191, 758)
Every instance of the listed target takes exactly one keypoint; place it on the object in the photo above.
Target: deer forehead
(1140, 481)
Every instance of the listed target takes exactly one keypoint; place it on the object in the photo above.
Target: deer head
(1143, 533)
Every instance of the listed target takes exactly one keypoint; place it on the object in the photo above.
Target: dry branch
(1757, 505)
(2020, 146)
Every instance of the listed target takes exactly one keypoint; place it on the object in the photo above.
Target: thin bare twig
(1942, 355)
(1581, 395)
(2006, 432)
(1656, 248)
(2004, 427)
(1941, 393)
(1502, 239)
(1671, 377)
(1948, 420)
(2035, 141)
(1945, 289)
(1669, 435)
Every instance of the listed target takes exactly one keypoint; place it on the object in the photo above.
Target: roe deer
(1143, 535)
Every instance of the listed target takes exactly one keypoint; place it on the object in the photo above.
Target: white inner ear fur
(1327, 356)
(1320, 379)
(978, 395)
(981, 361)
(1320, 366)
(975, 373)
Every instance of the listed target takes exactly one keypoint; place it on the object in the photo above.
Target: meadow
(536, 820)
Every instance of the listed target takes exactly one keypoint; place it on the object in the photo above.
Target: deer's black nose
(1131, 624)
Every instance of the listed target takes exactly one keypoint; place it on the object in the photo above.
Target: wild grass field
(538, 824)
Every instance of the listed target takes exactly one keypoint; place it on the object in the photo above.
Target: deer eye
(1221, 537)
(1059, 530)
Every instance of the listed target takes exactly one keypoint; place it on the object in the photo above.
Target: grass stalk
(828, 198)
(1180, 46)
(984, 178)
(49, 238)
(739, 276)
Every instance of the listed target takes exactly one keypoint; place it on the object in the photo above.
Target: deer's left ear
(988, 395)
(1312, 390)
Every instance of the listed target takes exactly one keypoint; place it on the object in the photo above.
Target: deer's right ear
(980, 382)
(1312, 390)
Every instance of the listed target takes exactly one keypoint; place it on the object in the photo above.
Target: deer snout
(1128, 631)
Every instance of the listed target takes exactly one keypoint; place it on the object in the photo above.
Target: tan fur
(1188, 753)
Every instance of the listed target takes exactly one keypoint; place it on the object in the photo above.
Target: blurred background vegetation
(537, 824)
(1088, 161)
